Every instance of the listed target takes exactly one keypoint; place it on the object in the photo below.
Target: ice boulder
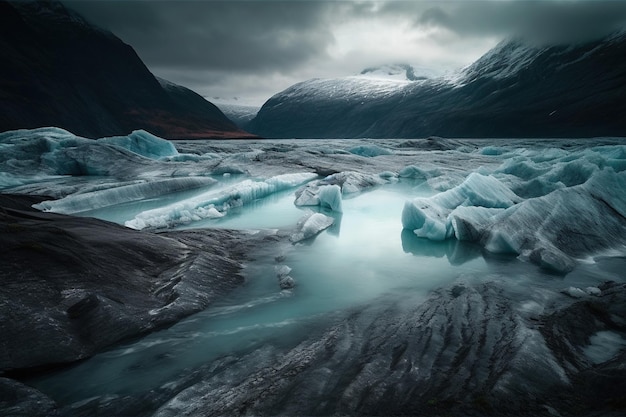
(325, 196)
(285, 281)
(369, 151)
(328, 191)
(353, 182)
(420, 173)
(430, 217)
(552, 231)
(311, 225)
(144, 144)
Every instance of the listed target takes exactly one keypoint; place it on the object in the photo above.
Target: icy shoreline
(510, 340)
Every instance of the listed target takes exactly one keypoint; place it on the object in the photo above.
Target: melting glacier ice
(354, 236)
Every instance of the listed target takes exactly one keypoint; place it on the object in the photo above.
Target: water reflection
(457, 252)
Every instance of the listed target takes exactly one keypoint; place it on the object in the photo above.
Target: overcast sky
(254, 49)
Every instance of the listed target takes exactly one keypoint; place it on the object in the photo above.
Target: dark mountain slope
(58, 70)
(514, 90)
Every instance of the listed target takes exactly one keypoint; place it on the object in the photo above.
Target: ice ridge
(216, 204)
(580, 194)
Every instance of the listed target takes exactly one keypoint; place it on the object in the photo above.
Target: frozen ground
(412, 277)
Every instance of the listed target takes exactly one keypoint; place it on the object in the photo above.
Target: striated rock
(72, 286)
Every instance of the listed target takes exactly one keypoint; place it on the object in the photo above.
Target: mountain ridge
(514, 90)
(59, 70)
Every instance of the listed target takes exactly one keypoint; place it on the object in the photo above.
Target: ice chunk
(310, 225)
(412, 171)
(282, 270)
(541, 229)
(328, 196)
(212, 204)
(429, 217)
(327, 192)
(538, 229)
(353, 182)
(228, 169)
(285, 281)
(144, 144)
(51, 152)
(369, 151)
(609, 188)
(468, 223)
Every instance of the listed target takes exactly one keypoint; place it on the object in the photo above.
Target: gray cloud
(235, 35)
(546, 22)
(256, 48)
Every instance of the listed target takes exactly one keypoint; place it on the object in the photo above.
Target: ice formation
(369, 151)
(310, 225)
(567, 194)
(285, 281)
(325, 196)
(430, 217)
(31, 155)
(76, 203)
(328, 192)
(144, 144)
(216, 204)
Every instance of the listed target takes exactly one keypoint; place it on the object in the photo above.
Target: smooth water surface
(362, 257)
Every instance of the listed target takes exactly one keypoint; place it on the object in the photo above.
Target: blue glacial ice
(328, 192)
(311, 225)
(216, 204)
(369, 151)
(430, 217)
(553, 203)
(566, 206)
(98, 199)
(144, 144)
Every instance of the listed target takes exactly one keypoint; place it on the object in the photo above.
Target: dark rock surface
(467, 350)
(19, 400)
(515, 90)
(71, 286)
(58, 70)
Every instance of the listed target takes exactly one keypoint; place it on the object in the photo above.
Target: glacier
(572, 195)
(214, 205)
(438, 274)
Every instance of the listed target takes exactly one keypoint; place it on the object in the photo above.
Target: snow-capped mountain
(241, 112)
(59, 70)
(338, 107)
(514, 90)
(398, 72)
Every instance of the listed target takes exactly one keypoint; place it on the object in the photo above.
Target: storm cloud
(257, 48)
(543, 22)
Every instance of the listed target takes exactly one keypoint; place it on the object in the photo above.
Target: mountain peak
(397, 72)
